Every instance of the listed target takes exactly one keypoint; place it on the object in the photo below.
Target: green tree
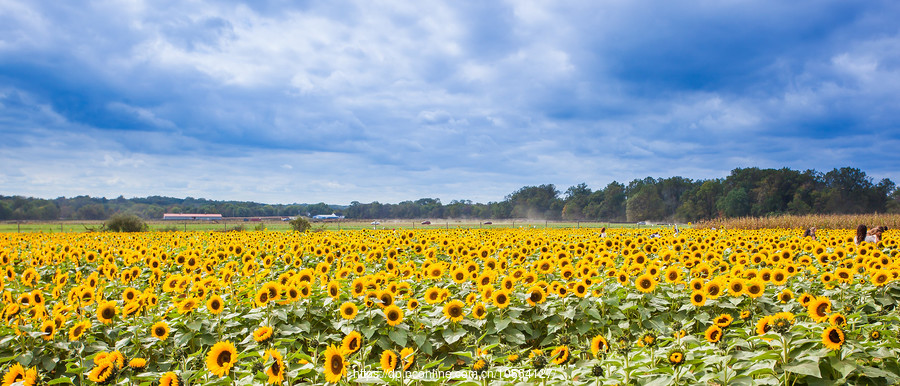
(125, 222)
(735, 204)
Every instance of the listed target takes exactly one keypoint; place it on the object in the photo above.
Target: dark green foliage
(300, 224)
(125, 222)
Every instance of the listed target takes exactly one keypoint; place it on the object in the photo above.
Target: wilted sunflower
(833, 338)
(106, 311)
(453, 310)
(335, 366)
(215, 304)
(348, 310)
(393, 315)
(713, 334)
(275, 371)
(221, 358)
(388, 361)
(263, 334)
(159, 330)
(351, 343)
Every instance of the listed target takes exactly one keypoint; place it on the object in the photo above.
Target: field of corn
(463, 306)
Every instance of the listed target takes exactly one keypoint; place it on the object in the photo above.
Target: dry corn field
(827, 221)
(499, 306)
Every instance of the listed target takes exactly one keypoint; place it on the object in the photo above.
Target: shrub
(122, 222)
(300, 224)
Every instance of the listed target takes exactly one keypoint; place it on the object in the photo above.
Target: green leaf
(48, 362)
(398, 336)
(501, 324)
(60, 380)
(451, 335)
(805, 368)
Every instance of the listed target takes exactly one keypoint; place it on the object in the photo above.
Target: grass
(79, 226)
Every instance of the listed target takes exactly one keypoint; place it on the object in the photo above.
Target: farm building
(191, 216)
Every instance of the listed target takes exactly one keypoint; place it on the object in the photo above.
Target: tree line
(745, 192)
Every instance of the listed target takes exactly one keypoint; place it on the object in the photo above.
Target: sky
(279, 101)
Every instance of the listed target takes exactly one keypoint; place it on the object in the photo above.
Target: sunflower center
(108, 313)
(834, 336)
(646, 283)
(215, 304)
(822, 309)
(393, 315)
(337, 364)
(455, 311)
(223, 358)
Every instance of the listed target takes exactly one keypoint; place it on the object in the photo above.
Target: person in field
(874, 235)
(810, 232)
(861, 231)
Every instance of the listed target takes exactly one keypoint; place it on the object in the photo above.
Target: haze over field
(281, 102)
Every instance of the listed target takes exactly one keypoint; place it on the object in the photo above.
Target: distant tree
(91, 212)
(735, 204)
(125, 222)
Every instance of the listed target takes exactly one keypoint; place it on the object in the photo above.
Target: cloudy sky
(281, 101)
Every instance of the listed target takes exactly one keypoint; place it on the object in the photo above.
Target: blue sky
(306, 101)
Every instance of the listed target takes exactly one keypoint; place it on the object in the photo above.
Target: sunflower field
(499, 306)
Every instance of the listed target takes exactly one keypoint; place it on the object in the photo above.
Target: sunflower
(169, 379)
(17, 373)
(407, 357)
(785, 296)
(833, 338)
(348, 310)
(263, 334)
(187, 306)
(106, 312)
(261, 298)
(713, 289)
(764, 325)
(673, 274)
(453, 310)
(698, 298)
(723, 320)
(393, 315)
(713, 334)
(837, 319)
(351, 343)
(78, 330)
(215, 304)
(819, 308)
(755, 288)
(501, 299)
(560, 355)
(676, 357)
(433, 295)
(159, 330)
(221, 358)
(805, 298)
(736, 287)
(103, 372)
(137, 363)
(536, 295)
(645, 283)
(335, 365)
(48, 328)
(388, 361)
(598, 345)
(275, 371)
(874, 335)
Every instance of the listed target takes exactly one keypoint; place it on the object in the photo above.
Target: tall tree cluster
(745, 192)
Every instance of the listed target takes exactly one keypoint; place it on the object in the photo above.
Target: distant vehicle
(642, 223)
(487, 223)
(331, 216)
(426, 222)
(375, 223)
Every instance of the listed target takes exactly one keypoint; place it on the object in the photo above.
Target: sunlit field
(460, 306)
